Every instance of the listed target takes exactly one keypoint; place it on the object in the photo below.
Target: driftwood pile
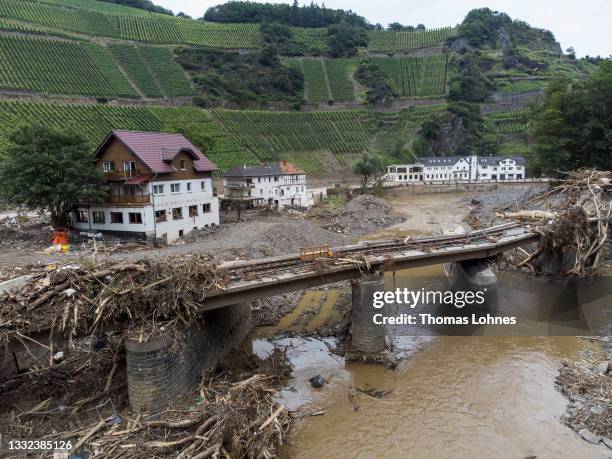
(80, 299)
(228, 420)
(590, 393)
(226, 416)
(562, 216)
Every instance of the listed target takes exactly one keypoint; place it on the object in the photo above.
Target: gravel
(487, 202)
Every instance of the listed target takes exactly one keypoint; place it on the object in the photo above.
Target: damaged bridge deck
(272, 276)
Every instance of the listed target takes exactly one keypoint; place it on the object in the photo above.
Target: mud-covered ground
(260, 234)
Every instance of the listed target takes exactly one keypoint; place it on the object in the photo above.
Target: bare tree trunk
(365, 181)
(60, 220)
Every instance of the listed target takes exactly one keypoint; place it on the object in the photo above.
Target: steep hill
(79, 55)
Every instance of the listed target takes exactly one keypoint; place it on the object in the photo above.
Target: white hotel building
(433, 169)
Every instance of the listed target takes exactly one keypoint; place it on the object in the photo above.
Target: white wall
(464, 169)
(281, 191)
(184, 199)
(163, 201)
(145, 211)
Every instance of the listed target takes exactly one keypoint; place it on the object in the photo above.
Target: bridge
(156, 373)
(253, 279)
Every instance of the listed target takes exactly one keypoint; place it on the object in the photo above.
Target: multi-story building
(458, 168)
(276, 185)
(160, 186)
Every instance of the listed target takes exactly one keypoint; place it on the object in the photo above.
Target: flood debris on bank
(233, 412)
(82, 394)
(589, 389)
(562, 216)
(81, 299)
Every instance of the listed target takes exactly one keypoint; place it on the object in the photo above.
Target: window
(98, 217)
(183, 164)
(129, 166)
(203, 185)
(206, 208)
(116, 217)
(177, 213)
(189, 187)
(175, 188)
(158, 189)
(259, 180)
(108, 166)
(160, 216)
(81, 216)
(276, 179)
(193, 211)
(135, 218)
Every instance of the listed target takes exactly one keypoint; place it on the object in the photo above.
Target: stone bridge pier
(367, 342)
(167, 365)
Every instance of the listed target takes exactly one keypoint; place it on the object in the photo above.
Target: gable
(115, 151)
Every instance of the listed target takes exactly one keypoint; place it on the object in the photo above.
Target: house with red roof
(160, 187)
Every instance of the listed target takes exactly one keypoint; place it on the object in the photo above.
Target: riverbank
(587, 383)
(444, 398)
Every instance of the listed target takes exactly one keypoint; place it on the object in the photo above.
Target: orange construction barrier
(60, 237)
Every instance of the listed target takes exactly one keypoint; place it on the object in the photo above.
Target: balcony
(120, 175)
(129, 199)
(237, 185)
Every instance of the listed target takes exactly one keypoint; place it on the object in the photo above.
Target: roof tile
(155, 149)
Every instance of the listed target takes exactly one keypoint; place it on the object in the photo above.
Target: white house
(276, 184)
(458, 168)
(160, 186)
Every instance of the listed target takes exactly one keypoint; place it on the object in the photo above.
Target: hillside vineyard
(87, 63)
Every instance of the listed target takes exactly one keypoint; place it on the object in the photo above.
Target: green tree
(311, 15)
(481, 26)
(572, 127)
(47, 169)
(468, 82)
(343, 39)
(380, 91)
(368, 165)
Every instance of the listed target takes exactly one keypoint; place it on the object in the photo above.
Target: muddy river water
(454, 396)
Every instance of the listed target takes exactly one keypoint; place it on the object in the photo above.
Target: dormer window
(183, 165)
(108, 166)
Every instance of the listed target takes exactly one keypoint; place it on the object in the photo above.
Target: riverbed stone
(607, 442)
(577, 405)
(603, 367)
(597, 409)
(589, 436)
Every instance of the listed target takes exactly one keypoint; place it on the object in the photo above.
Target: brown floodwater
(452, 396)
(458, 397)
